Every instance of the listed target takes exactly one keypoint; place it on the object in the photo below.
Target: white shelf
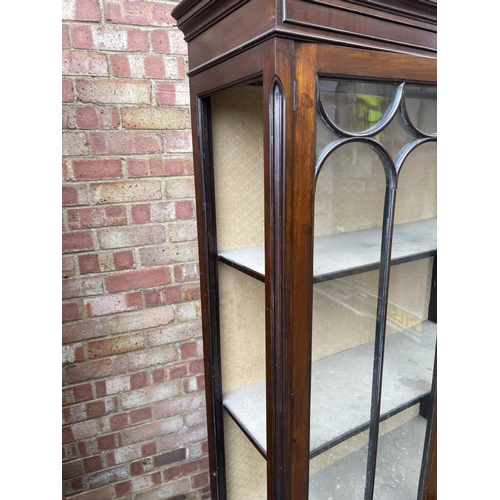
(347, 253)
(398, 468)
(342, 386)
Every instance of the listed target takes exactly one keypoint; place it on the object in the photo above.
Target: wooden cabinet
(314, 139)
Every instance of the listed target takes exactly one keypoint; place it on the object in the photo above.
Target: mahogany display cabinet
(314, 143)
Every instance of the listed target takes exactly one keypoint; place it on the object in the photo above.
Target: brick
(163, 212)
(199, 480)
(188, 312)
(125, 191)
(77, 394)
(180, 187)
(72, 353)
(91, 118)
(152, 430)
(140, 415)
(83, 330)
(140, 320)
(168, 42)
(112, 143)
(82, 287)
(77, 241)
(81, 10)
(65, 37)
(81, 35)
(73, 485)
(74, 195)
(67, 90)
(114, 422)
(169, 457)
(107, 476)
(182, 231)
(145, 359)
(109, 442)
(172, 93)
(138, 13)
(88, 370)
(67, 435)
(151, 394)
(120, 66)
(128, 453)
(92, 464)
(160, 166)
(71, 311)
(179, 370)
(193, 419)
(113, 346)
(104, 91)
(155, 118)
(187, 272)
(72, 469)
(111, 304)
(75, 144)
(96, 169)
(170, 253)
(95, 409)
(85, 218)
(169, 490)
(84, 430)
(123, 260)
(175, 333)
(142, 278)
(84, 63)
(88, 263)
(138, 380)
(140, 213)
(132, 236)
(178, 142)
(184, 209)
(179, 406)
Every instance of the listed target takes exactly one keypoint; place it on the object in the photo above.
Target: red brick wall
(133, 401)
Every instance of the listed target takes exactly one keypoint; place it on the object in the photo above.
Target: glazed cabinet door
(372, 350)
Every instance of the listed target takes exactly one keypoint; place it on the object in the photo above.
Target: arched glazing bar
(392, 167)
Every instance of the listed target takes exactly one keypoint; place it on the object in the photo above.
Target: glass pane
(350, 201)
(349, 206)
(237, 130)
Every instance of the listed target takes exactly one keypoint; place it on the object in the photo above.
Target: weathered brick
(143, 13)
(112, 143)
(187, 272)
(145, 359)
(174, 333)
(140, 415)
(67, 90)
(180, 187)
(168, 42)
(140, 320)
(141, 278)
(155, 118)
(178, 141)
(92, 464)
(82, 287)
(88, 370)
(75, 144)
(173, 93)
(184, 209)
(74, 195)
(77, 394)
(113, 91)
(96, 169)
(84, 430)
(131, 236)
(182, 231)
(163, 212)
(152, 430)
(107, 476)
(116, 345)
(84, 63)
(114, 422)
(169, 490)
(117, 192)
(88, 263)
(160, 166)
(77, 241)
(81, 10)
(84, 218)
(72, 353)
(83, 330)
(123, 260)
(111, 304)
(71, 311)
(170, 253)
(182, 439)
(140, 213)
(151, 394)
(179, 406)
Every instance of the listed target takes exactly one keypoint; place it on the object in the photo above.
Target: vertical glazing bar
(383, 295)
(211, 331)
